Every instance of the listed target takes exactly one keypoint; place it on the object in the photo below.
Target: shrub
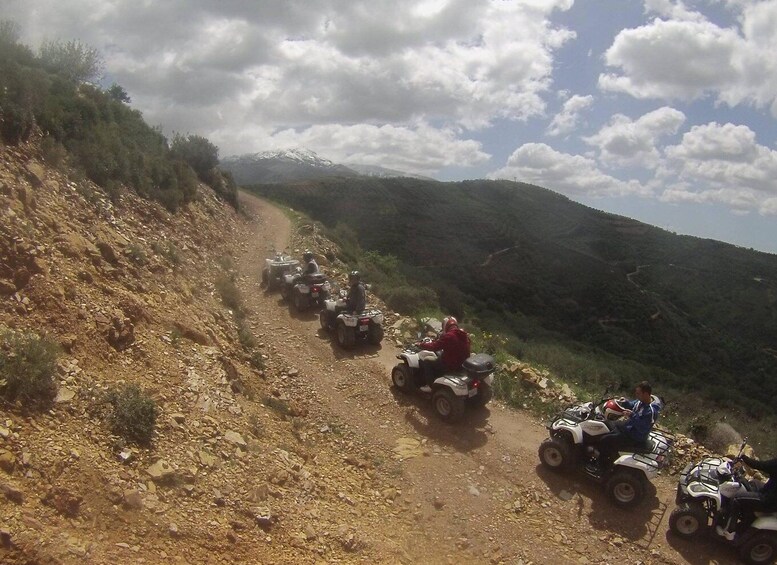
(136, 254)
(230, 294)
(134, 414)
(28, 364)
(408, 300)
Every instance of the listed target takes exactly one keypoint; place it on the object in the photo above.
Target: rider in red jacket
(455, 346)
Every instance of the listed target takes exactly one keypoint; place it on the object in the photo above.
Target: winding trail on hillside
(475, 493)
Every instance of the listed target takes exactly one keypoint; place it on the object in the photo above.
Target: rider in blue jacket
(634, 430)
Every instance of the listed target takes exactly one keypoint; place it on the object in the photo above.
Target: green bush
(134, 414)
(408, 299)
(28, 365)
(228, 291)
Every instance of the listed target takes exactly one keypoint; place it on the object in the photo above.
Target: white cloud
(633, 143)
(421, 149)
(574, 175)
(724, 164)
(568, 118)
(223, 67)
(672, 9)
(684, 56)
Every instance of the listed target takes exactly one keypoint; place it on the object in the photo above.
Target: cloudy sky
(661, 110)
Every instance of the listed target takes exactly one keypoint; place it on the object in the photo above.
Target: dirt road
(472, 492)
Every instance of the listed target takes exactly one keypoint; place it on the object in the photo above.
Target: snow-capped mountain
(282, 166)
(289, 165)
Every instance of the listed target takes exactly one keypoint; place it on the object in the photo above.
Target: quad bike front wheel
(346, 337)
(688, 520)
(400, 376)
(555, 454)
(322, 319)
(447, 405)
(285, 291)
(759, 549)
(625, 489)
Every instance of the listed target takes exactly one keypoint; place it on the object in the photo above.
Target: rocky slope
(305, 456)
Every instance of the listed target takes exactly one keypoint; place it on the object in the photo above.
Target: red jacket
(455, 348)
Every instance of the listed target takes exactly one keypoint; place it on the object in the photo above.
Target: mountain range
(298, 164)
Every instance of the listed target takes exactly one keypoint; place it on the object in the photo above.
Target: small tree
(118, 93)
(197, 151)
(73, 59)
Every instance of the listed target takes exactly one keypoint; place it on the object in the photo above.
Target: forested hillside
(532, 263)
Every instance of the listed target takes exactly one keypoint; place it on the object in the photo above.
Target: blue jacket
(642, 418)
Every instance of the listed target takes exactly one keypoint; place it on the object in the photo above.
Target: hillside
(532, 263)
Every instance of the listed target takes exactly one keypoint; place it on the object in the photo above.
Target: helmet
(307, 256)
(613, 409)
(354, 276)
(448, 323)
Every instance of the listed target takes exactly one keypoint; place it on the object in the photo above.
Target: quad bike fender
(349, 321)
(575, 432)
(411, 359)
(302, 289)
(630, 462)
(458, 385)
(765, 522)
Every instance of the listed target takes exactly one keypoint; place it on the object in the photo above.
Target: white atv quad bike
(308, 290)
(274, 269)
(703, 493)
(288, 280)
(351, 326)
(453, 391)
(572, 445)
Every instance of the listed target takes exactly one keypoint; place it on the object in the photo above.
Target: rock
(565, 495)
(473, 490)
(64, 395)
(173, 529)
(235, 438)
(5, 538)
(206, 459)
(161, 472)
(12, 493)
(63, 501)
(192, 334)
(107, 252)
(178, 418)
(7, 461)
(126, 455)
(4, 432)
(121, 334)
(264, 518)
(133, 500)
(7, 288)
(438, 503)
(229, 368)
(21, 277)
(68, 342)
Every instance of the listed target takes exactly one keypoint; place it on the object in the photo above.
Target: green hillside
(541, 267)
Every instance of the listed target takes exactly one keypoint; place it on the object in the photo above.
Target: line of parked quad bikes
(704, 488)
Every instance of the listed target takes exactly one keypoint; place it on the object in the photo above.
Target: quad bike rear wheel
(346, 337)
(483, 397)
(688, 520)
(375, 334)
(285, 289)
(759, 549)
(625, 489)
(323, 320)
(447, 405)
(300, 302)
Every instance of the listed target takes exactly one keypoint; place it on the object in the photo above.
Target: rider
(357, 296)
(633, 431)
(746, 503)
(455, 346)
(311, 267)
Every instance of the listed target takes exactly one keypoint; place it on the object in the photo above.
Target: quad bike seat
(646, 447)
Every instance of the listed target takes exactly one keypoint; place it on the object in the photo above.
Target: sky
(660, 110)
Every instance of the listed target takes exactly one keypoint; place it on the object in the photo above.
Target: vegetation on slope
(94, 130)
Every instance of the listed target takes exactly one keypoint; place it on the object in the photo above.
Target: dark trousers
(618, 439)
(744, 505)
(431, 369)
